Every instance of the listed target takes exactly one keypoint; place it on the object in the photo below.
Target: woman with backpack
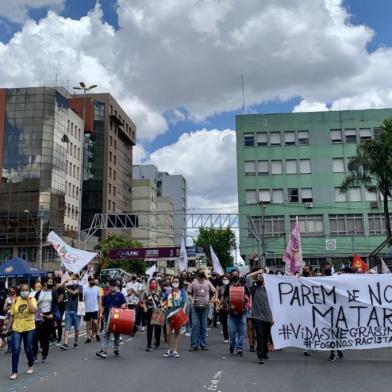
(47, 308)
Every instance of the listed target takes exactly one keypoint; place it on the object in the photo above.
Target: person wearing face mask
(200, 292)
(237, 319)
(23, 327)
(92, 300)
(262, 317)
(152, 300)
(74, 292)
(9, 301)
(223, 309)
(173, 299)
(46, 308)
(115, 299)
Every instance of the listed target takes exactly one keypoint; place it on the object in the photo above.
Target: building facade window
(365, 134)
(355, 194)
(338, 165)
(377, 224)
(306, 195)
(265, 195)
(277, 196)
(289, 138)
(276, 167)
(303, 138)
(291, 166)
(371, 194)
(310, 225)
(251, 196)
(263, 168)
(293, 195)
(275, 139)
(350, 135)
(273, 226)
(249, 139)
(336, 136)
(261, 139)
(340, 197)
(304, 166)
(250, 168)
(346, 224)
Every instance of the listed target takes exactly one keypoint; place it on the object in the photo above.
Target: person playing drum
(114, 299)
(173, 299)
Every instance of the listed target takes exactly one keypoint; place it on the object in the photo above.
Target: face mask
(24, 294)
(175, 285)
(92, 284)
(153, 286)
(236, 278)
(226, 282)
(327, 272)
(305, 274)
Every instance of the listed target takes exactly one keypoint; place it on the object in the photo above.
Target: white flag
(72, 259)
(216, 263)
(384, 267)
(332, 270)
(84, 279)
(151, 270)
(183, 262)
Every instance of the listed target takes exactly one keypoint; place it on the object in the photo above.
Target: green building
(292, 165)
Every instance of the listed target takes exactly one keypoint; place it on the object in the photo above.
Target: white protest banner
(384, 267)
(183, 261)
(72, 259)
(345, 312)
(216, 265)
(150, 272)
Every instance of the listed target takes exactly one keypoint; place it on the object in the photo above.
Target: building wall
(165, 211)
(2, 126)
(320, 166)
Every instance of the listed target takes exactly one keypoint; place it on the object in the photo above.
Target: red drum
(177, 319)
(237, 299)
(121, 321)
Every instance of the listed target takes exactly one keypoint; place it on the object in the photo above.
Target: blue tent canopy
(19, 268)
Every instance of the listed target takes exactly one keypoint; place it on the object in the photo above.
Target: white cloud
(206, 158)
(185, 57)
(16, 11)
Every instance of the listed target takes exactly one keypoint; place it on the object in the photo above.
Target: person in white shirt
(92, 301)
(134, 291)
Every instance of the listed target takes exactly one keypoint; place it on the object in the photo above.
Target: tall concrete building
(107, 168)
(41, 141)
(172, 186)
(292, 165)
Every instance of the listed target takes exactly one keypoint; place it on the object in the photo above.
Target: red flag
(359, 263)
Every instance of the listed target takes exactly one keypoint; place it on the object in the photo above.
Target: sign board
(342, 312)
(151, 253)
(330, 244)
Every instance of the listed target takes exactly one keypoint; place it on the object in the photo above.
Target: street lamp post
(40, 235)
(83, 87)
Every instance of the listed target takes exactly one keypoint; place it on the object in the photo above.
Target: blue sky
(165, 65)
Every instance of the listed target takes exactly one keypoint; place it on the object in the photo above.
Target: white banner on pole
(150, 272)
(183, 261)
(216, 263)
(72, 259)
(345, 312)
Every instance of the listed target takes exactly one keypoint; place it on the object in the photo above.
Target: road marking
(213, 384)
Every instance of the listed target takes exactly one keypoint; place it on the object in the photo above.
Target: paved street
(213, 370)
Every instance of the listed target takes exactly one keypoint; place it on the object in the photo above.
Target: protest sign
(342, 312)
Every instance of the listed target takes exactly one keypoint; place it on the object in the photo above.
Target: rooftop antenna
(243, 94)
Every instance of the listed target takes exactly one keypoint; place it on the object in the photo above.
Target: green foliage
(372, 166)
(117, 242)
(221, 239)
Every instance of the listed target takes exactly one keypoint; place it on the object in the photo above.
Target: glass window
(365, 134)
(262, 167)
(273, 225)
(303, 138)
(276, 167)
(249, 139)
(338, 165)
(355, 194)
(346, 224)
(293, 195)
(306, 195)
(340, 197)
(251, 197)
(289, 138)
(265, 195)
(277, 196)
(371, 194)
(309, 224)
(275, 139)
(377, 224)
(350, 135)
(250, 168)
(304, 166)
(261, 139)
(336, 135)
(291, 166)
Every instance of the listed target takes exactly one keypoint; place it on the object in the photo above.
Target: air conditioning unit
(374, 204)
(309, 204)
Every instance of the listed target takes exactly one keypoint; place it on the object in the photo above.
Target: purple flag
(293, 255)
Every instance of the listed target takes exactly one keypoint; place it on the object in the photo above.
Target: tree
(117, 242)
(373, 166)
(221, 239)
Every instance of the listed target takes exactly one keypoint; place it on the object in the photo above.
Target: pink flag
(293, 254)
